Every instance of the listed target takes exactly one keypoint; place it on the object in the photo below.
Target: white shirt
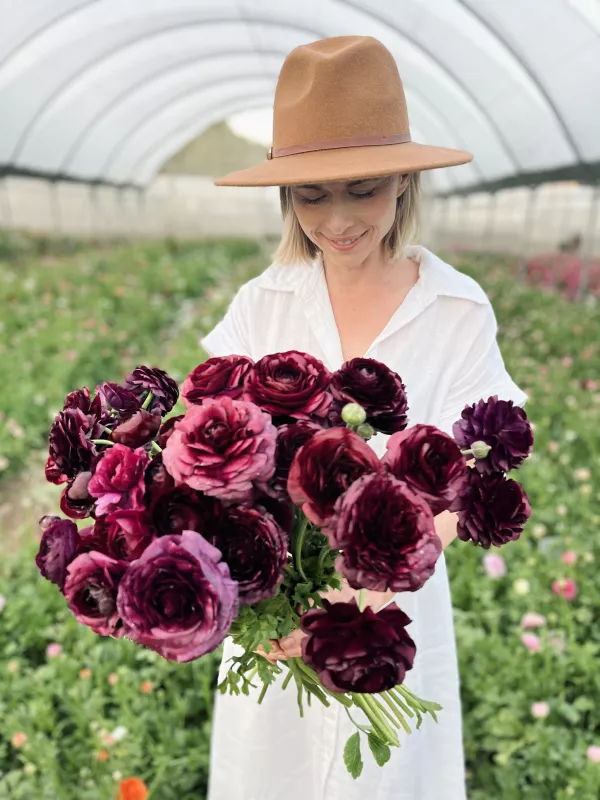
(442, 342)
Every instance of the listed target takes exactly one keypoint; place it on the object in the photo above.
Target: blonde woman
(349, 281)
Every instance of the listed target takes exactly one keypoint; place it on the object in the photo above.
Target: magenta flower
(531, 642)
(91, 591)
(58, 548)
(569, 557)
(118, 482)
(565, 587)
(494, 565)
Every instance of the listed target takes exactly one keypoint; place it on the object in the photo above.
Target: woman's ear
(402, 184)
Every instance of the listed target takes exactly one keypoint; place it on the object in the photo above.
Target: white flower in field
(585, 489)
(588, 558)
(521, 586)
(4, 462)
(2, 603)
(571, 401)
(540, 710)
(561, 510)
(14, 428)
(539, 530)
(117, 776)
(119, 733)
(29, 768)
(582, 474)
(570, 436)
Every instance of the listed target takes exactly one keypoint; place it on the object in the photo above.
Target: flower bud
(480, 449)
(353, 414)
(365, 431)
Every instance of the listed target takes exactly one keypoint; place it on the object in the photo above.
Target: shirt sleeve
(230, 336)
(482, 372)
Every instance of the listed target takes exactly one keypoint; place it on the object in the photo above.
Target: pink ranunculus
(53, 650)
(565, 587)
(533, 620)
(569, 557)
(593, 753)
(118, 482)
(91, 590)
(494, 565)
(540, 710)
(224, 448)
(531, 642)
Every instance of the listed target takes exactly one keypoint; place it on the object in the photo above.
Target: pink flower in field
(2, 603)
(113, 678)
(53, 650)
(531, 642)
(593, 753)
(494, 565)
(569, 557)
(565, 587)
(540, 710)
(19, 739)
(533, 620)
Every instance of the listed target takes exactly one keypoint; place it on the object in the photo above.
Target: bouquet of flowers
(239, 516)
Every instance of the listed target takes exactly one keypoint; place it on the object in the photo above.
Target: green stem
(361, 600)
(155, 448)
(412, 699)
(371, 709)
(390, 698)
(102, 441)
(394, 708)
(147, 401)
(299, 546)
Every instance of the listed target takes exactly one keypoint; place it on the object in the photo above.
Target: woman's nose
(340, 220)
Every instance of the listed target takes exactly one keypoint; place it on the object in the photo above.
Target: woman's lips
(350, 246)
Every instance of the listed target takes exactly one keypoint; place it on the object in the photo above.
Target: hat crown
(340, 87)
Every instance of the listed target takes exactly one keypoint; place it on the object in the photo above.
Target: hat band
(335, 144)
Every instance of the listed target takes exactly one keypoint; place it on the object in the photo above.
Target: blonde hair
(295, 246)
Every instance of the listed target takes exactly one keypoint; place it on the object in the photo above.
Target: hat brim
(347, 163)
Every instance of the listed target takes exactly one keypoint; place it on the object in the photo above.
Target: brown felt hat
(340, 114)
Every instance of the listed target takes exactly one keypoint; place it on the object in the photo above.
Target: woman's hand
(288, 647)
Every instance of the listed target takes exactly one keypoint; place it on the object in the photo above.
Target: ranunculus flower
(218, 376)
(387, 535)
(164, 389)
(156, 478)
(290, 384)
(565, 587)
(569, 557)
(183, 509)
(375, 387)
(430, 462)
(139, 429)
(492, 510)
(532, 620)
(531, 642)
(494, 565)
(290, 438)
(357, 651)
(324, 467)
(91, 590)
(593, 753)
(93, 538)
(58, 547)
(75, 501)
(178, 598)
(500, 424)
(127, 533)
(70, 447)
(116, 398)
(223, 448)
(166, 430)
(255, 550)
(118, 481)
(540, 710)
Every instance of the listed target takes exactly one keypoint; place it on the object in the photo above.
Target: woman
(345, 284)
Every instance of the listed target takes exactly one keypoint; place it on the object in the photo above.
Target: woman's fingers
(275, 654)
(292, 644)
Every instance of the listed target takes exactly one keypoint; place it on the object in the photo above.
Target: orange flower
(102, 755)
(19, 739)
(113, 678)
(132, 789)
(85, 673)
(146, 687)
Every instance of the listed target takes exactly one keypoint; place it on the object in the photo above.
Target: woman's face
(348, 220)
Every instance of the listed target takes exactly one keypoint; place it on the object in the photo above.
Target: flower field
(80, 714)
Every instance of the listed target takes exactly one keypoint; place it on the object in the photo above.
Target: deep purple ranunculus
(255, 550)
(492, 510)
(218, 376)
(156, 478)
(324, 467)
(357, 651)
(500, 424)
(430, 462)
(75, 501)
(127, 533)
(183, 509)
(93, 538)
(290, 439)
(91, 590)
(82, 399)
(223, 448)
(70, 447)
(178, 598)
(164, 389)
(58, 547)
(375, 387)
(290, 384)
(118, 481)
(166, 430)
(137, 430)
(386, 533)
(116, 398)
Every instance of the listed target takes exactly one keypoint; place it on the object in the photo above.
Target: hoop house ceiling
(107, 90)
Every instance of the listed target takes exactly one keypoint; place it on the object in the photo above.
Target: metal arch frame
(245, 22)
(531, 74)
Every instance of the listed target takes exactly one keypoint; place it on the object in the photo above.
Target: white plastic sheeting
(107, 90)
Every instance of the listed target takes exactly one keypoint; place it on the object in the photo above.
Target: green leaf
(380, 750)
(352, 757)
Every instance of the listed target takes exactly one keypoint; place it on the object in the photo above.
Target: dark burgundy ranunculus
(500, 424)
(127, 533)
(156, 478)
(166, 430)
(492, 510)
(116, 398)
(183, 509)
(137, 430)
(357, 651)
(91, 590)
(324, 467)
(290, 439)
(290, 384)
(70, 448)
(386, 533)
(375, 387)
(93, 538)
(430, 462)
(224, 448)
(75, 501)
(178, 598)
(118, 481)
(255, 550)
(58, 547)
(281, 509)
(82, 399)
(164, 389)
(220, 375)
